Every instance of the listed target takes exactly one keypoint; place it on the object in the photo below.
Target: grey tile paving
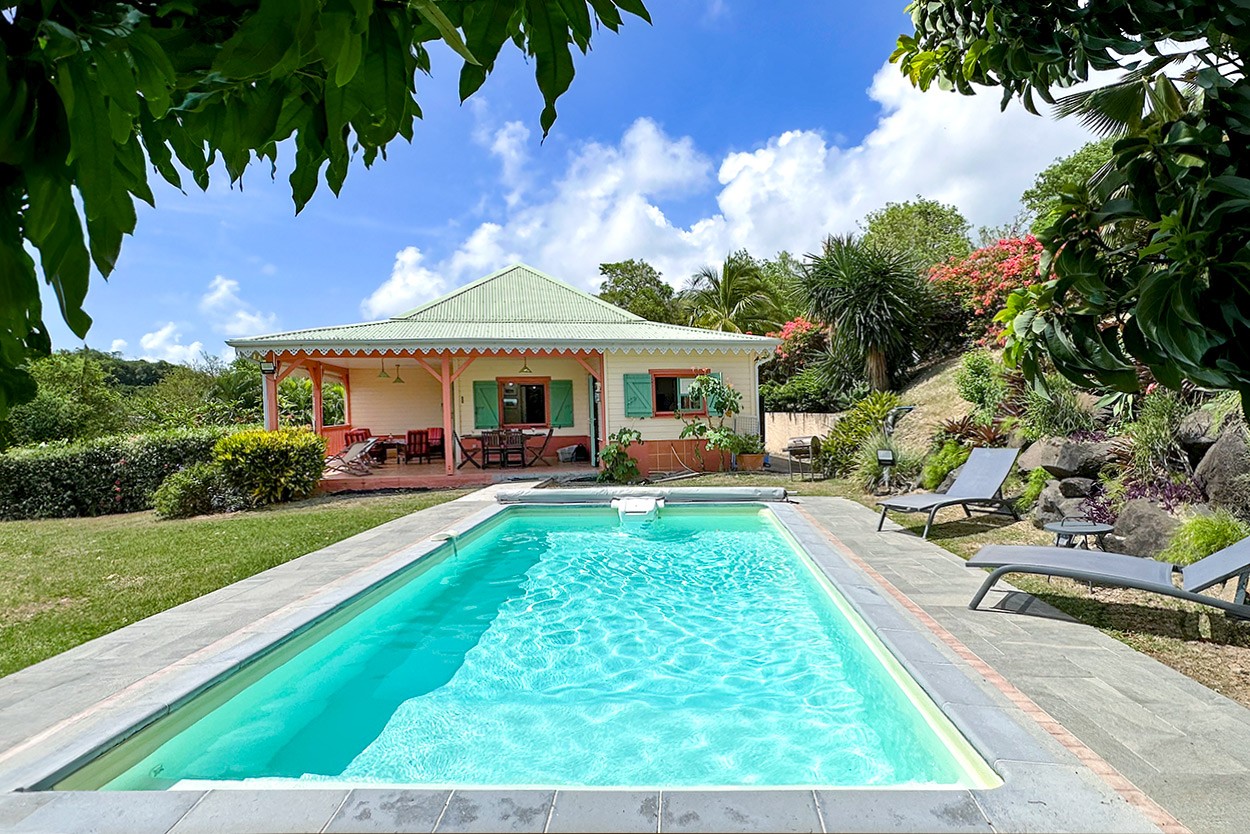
(733, 811)
(604, 811)
(937, 812)
(1041, 798)
(370, 811)
(120, 812)
(489, 810)
(261, 812)
(15, 807)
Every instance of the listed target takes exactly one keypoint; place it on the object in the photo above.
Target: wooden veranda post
(449, 446)
(316, 373)
(269, 397)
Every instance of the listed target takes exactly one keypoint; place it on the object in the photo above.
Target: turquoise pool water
(560, 647)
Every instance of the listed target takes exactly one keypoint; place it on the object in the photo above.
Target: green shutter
(561, 402)
(485, 404)
(637, 395)
(715, 411)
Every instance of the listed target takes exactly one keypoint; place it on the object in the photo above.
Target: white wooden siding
(387, 407)
(735, 368)
(492, 367)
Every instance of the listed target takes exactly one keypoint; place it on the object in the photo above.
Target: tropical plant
(638, 287)
(930, 232)
(946, 459)
(863, 420)
(733, 298)
(871, 476)
(1153, 450)
(617, 466)
(1056, 410)
(1043, 199)
(1200, 536)
(76, 400)
(1148, 262)
(809, 391)
(802, 343)
(980, 382)
(1033, 486)
(982, 282)
(874, 302)
(93, 95)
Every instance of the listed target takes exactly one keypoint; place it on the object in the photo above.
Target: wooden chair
(493, 448)
(437, 444)
(468, 454)
(417, 446)
(514, 447)
(535, 453)
(356, 436)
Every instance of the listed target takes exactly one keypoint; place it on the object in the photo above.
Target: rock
(949, 480)
(1143, 529)
(1198, 432)
(1053, 506)
(1227, 459)
(1042, 452)
(1076, 487)
(1079, 459)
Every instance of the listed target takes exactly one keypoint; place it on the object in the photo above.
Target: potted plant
(750, 454)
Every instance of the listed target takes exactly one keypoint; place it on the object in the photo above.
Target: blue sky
(727, 123)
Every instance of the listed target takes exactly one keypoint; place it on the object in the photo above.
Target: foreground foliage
(93, 95)
(1149, 260)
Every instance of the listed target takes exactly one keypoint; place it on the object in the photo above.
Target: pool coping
(1045, 786)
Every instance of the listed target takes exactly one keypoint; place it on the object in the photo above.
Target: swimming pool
(562, 647)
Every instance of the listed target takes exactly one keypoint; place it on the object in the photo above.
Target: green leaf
(263, 41)
(451, 36)
(547, 40)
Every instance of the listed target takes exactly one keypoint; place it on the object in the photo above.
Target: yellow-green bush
(1203, 535)
(271, 467)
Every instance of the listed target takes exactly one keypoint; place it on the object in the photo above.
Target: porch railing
(334, 438)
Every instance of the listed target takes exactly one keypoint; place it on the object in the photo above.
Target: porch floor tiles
(393, 475)
(1108, 696)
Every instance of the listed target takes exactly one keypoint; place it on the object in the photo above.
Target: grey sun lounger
(353, 460)
(1121, 571)
(979, 484)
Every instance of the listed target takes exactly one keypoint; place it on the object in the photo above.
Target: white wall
(736, 369)
(779, 427)
(386, 407)
(493, 367)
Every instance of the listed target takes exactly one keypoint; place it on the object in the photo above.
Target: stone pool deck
(1175, 740)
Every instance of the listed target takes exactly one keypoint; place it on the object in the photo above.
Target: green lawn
(66, 581)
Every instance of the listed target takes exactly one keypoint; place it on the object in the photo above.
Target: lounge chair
(353, 459)
(1121, 571)
(979, 484)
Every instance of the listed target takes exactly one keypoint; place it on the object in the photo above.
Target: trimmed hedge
(271, 467)
(200, 489)
(116, 474)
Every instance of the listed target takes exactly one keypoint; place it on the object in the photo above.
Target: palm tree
(874, 302)
(734, 298)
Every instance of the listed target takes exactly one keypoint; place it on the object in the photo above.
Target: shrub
(942, 462)
(271, 467)
(838, 451)
(1057, 413)
(980, 382)
(1153, 449)
(869, 471)
(981, 282)
(1203, 535)
(97, 477)
(618, 466)
(802, 342)
(200, 489)
(1033, 486)
(808, 391)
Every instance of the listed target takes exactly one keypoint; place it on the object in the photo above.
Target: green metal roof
(516, 307)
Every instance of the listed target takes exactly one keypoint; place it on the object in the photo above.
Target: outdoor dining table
(387, 442)
(527, 434)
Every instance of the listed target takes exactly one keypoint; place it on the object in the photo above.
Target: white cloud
(508, 145)
(410, 284)
(229, 314)
(788, 193)
(118, 346)
(166, 344)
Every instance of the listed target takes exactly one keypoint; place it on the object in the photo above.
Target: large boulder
(1221, 472)
(1143, 529)
(1079, 459)
(1077, 487)
(1052, 505)
(1198, 432)
(1044, 451)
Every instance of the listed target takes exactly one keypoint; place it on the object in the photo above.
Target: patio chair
(535, 453)
(1120, 571)
(514, 447)
(467, 454)
(493, 448)
(979, 484)
(437, 446)
(417, 445)
(356, 436)
(353, 459)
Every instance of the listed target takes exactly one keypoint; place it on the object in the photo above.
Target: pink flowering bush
(802, 342)
(981, 282)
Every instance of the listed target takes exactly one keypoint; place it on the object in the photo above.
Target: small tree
(981, 282)
(929, 231)
(638, 287)
(1044, 198)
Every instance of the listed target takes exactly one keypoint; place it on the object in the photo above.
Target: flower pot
(750, 463)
